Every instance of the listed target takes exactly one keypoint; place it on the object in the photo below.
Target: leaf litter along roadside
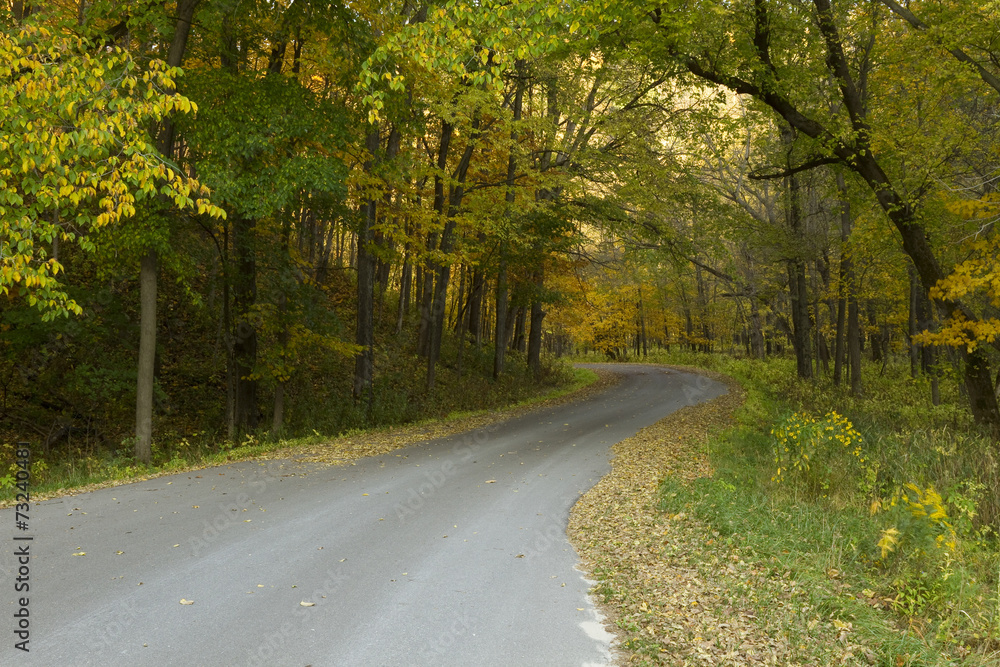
(674, 592)
(347, 449)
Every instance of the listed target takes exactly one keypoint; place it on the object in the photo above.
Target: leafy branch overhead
(76, 155)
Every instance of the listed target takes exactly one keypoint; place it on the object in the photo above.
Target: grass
(920, 602)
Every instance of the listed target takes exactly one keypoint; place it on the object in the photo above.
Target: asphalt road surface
(448, 552)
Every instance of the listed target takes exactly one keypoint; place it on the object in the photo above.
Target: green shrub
(819, 455)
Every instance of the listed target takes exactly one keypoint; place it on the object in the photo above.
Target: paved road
(449, 552)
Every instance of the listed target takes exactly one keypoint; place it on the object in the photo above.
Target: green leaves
(476, 44)
(74, 153)
(265, 141)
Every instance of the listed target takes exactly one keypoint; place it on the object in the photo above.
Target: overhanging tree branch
(812, 164)
(960, 55)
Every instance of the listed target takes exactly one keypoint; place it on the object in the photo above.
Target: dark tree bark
(405, 280)
(797, 286)
(875, 336)
(443, 269)
(642, 324)
(517, 337)
(476, 298)
(499, 342)
(365, 330)
(911, 322)
(245, 335)
(535, 339)
(848, 326)
(425, 333)
(284, 330)
(147, 355)
(460, 324)
(500, 335)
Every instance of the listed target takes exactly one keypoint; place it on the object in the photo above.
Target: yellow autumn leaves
(979, 273)
(75, 152)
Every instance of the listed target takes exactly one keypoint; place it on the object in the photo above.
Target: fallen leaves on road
(666, 611)
(183, 601)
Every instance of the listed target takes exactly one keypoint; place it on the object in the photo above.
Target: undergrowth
(884, 508)
(399, 398)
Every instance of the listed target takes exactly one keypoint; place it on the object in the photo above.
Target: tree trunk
(227, 322)
(979, 384)
(911, 322)
(365, 329)
(874, 337)
(499, 343)
(797, 274)
(535, 334)
(476, 298)
(405, 280)
(800, 318)
(245, 336)
(278, 419)
(927, 353)
(535, 339)
(499, 338)
(147, 355)
(418, 284)
(838, 344)
(425, 334)
(148, 265)
(284, 330)
(455, 196)
(460, 324)
(854, 343)
(517, 340)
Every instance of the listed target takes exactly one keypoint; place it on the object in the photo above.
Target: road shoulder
(653, 588)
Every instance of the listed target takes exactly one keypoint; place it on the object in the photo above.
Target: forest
(240, 222)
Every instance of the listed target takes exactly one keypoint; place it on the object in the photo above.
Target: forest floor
(352, 446)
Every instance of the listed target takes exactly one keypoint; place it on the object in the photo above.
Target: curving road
(448, 552)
